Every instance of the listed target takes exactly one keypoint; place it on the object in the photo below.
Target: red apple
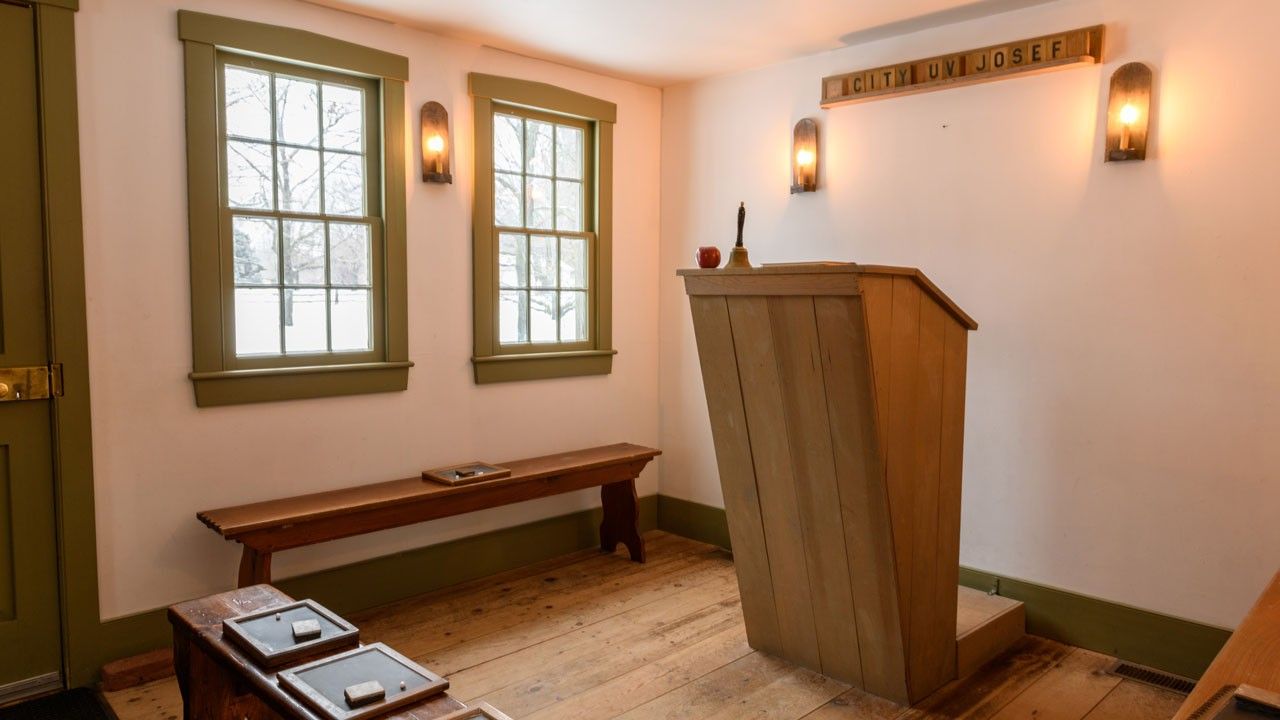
(708, 257)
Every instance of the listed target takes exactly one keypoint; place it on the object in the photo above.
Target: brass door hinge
(31, 383)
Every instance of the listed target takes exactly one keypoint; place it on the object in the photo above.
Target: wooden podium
(836, 394)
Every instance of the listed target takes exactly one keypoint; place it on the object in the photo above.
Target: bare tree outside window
(296, 189)
(543, 247)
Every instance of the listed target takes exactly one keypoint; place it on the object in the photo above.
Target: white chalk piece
(306, 629)
(364, 693)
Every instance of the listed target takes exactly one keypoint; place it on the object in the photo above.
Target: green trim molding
(383, 580)
(1168, 643)
(218, 376)
(73, 460)
(290, 44)
(491, 362)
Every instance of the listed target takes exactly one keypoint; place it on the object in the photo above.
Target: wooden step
(986, 626)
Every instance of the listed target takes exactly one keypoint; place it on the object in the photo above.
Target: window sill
(541, 366)
(239, 387)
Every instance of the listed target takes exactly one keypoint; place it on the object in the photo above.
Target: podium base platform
(986, 626)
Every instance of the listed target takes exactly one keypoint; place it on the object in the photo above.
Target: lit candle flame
(804, 158)
(1128, 115)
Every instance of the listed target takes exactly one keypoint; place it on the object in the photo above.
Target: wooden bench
(267, 527)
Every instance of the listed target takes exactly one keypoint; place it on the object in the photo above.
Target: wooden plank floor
(590, 636)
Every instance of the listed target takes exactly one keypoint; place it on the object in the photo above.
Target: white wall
(1124, 388)
(159, 459)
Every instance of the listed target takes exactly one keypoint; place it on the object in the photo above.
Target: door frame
(59, 127)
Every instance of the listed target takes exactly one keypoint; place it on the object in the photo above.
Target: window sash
(515, 348)
(588, 216)
(372, 151)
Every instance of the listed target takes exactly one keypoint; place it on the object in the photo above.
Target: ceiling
(664, 42)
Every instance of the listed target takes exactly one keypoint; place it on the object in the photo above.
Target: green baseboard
(1149, 638)
(383, 580)
(1165, 642)
(1168, 643)
(693, 520)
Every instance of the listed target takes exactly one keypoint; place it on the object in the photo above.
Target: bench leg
(621, 519)
(255, 567)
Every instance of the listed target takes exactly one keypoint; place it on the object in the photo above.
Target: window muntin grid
(299, 185)
(545, 253)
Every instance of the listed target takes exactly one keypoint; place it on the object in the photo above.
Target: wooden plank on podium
(733, 456)
(949, 480)
(877, 297)
(775, 478)
(804, 404)
(900, 469)
(932, 643)
(859, 467)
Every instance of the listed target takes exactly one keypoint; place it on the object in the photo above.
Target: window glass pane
(248, 98)
(257, 321)
(305, 321)
(297, 111)
(573, 316)
(351, 320)
(538, 203)
(542, 316)
(568, 152)
(542, 261)
(343, 117)
(513, 260)
(256, 259)
(507, 148)
(573, 262)
(568, 205)
(506, 200)
(343, 184)
(249, 176)
(303, 252)
(349, 246)
(537, 147)
(299, 179)
(513, 316)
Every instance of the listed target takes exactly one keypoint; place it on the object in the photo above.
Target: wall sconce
(804, 157)
(1129, 113)
(435, 143)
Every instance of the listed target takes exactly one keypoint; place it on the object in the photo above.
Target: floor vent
(1151, 676)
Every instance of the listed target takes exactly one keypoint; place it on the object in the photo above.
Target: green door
(30, 646)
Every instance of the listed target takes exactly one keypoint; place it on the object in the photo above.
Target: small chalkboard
(268, 636)
(466, 473)
(342, 687)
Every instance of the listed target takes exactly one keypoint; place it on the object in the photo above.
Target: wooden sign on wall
(1074, 48)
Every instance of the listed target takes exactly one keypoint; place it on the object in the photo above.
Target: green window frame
(496, 359)
(221, 375)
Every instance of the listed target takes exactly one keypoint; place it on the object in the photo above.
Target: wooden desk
(1250, 657)
(274, 525)
(218, 682)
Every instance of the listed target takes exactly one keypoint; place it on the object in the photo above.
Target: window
(544, 251)
(297, 254)
(542, 231)
(300, 181)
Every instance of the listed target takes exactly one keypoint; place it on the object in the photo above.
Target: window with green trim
(295, 186)
(542, 255)
(540, 183)
(300, 180)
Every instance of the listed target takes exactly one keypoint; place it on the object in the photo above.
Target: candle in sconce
(1128, 116)
(435, 144)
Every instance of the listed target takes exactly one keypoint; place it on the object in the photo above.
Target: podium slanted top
(810, 278)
